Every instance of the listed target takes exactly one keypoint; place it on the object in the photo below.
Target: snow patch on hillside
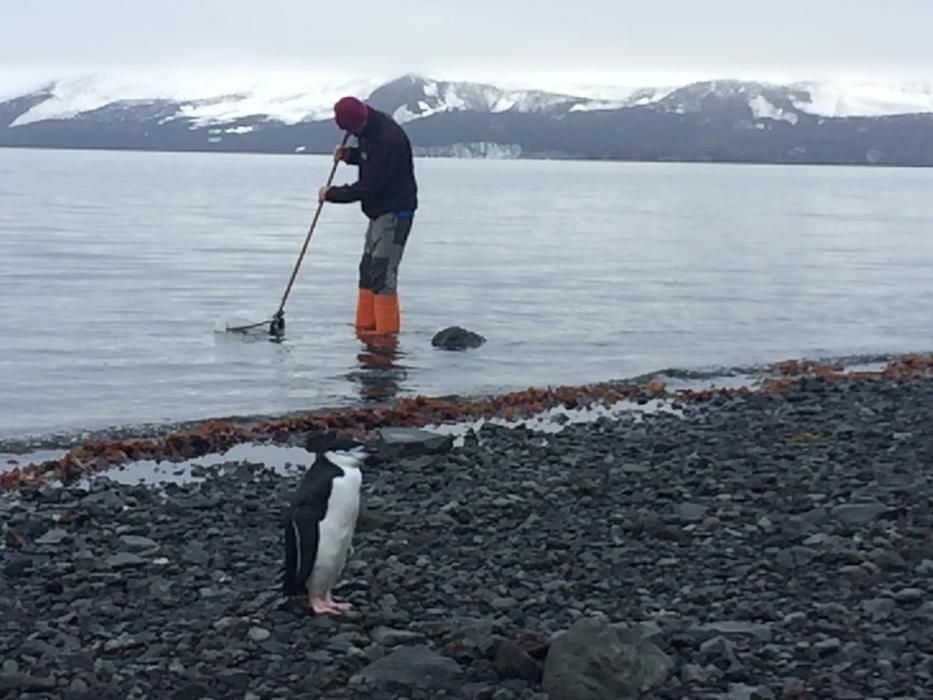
(861, 99)
(446, 96)
(762, 108)
(631, 97)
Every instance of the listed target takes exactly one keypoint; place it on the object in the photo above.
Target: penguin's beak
(371, 454)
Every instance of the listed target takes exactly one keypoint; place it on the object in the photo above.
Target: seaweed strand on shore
(212, 436)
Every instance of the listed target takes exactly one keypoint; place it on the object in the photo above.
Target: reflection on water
(379, 375)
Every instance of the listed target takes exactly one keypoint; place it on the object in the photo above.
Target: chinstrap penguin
(321, 520)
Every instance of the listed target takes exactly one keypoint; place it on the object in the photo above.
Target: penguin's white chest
(344, 504)
(337, 528)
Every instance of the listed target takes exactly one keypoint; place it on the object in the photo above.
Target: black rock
(859, 513)
(193, 691)
(125, 560)
(32, 684)
(597, 661)
(413, 667)
(734, 628)
(389, 637)
(513, 662)
(396, 443)
(235, 678)
(54, 536)
(457, 338)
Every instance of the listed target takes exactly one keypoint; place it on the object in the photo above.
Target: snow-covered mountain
(202, 102)
(711, 120)
(412, 97)
(407, 98)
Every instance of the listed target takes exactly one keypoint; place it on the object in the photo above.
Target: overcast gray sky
(539, 40)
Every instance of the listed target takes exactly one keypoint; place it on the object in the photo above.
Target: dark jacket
(387, 173)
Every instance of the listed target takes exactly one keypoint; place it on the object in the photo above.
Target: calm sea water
(116, 269)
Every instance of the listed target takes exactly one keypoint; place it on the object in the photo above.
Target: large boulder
(457, 338)
(596, 660)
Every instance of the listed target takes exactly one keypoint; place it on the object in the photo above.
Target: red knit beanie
(350, 114)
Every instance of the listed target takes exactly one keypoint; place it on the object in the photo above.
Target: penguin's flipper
(301, 542)
(290, 583)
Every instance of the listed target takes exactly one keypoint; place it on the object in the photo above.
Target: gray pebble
(259, 634)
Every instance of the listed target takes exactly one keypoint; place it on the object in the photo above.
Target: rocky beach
(754, 545)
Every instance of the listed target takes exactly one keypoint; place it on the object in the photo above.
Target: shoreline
(569, 158)
(26, 441)
(175, 442)
(763, 544)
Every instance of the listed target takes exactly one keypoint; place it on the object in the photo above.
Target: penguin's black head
(322, 442)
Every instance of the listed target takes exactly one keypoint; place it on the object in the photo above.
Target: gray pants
(386, 237)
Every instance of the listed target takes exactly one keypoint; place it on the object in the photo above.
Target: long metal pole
(278, 321)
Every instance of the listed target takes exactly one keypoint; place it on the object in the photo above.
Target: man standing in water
(388, 194)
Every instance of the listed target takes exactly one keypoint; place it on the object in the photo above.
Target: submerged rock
(457, 338)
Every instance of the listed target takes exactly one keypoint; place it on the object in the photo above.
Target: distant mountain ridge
(719, 120)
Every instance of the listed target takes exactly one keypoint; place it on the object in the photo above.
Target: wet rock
(228, 622)
(375, 519)
(54, 536)
(26, 683)
(691, 673)
(795, 557)
(192, 691)
(719, 647)
(859, 513)
(196, 554)
(533, 643)
(594, 660)
(690, 512)
(735, 628)
(910, 595)
(235, 678)
(124, 641)
(828, 646)
(138, 542)
(457, 338)
(125, 560)
(413, 667)
(389, 637)
(879, 608)
(78, 687)
(407, 442)
(740, 691)
(259, 634)
(513, 662)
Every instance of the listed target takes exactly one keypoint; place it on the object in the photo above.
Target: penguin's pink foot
(321, 606)
(342, 607)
